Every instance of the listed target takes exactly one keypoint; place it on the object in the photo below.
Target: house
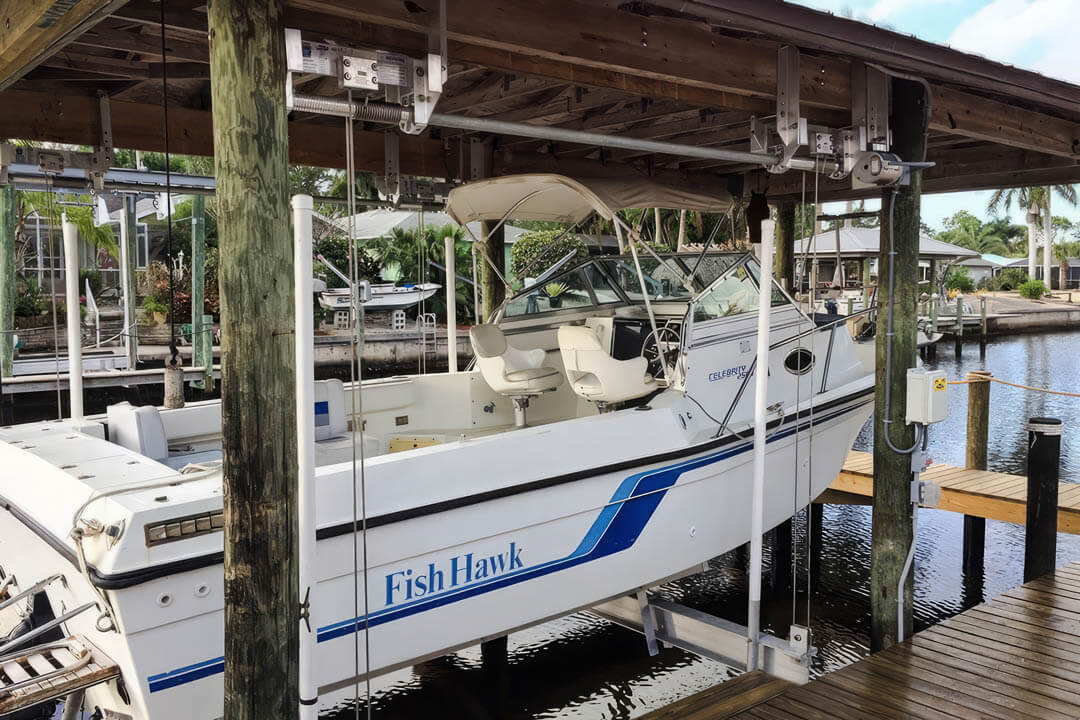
(859, 246)
(985, 266)
(1072, 279)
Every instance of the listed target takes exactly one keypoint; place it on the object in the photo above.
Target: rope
(175, 354)
(1015, 385)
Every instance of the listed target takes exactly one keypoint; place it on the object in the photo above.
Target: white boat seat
(516, 373)
(139, 429)
(595, 375)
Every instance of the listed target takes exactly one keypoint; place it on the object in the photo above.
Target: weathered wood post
(1040, 534)
(978, 429)
(494, 661)
(247, 72)
(959, 329)
(892, 530)
(7, 278)
(866, 282)
(492, 289)
(785, 244)
(198, 284)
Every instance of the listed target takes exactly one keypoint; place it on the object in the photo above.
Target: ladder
(428, 331)
(52, 671)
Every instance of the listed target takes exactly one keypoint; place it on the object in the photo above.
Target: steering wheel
(662, 347)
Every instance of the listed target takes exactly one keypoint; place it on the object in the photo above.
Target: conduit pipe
(74, 318)
(389, 113)
(302, 206)
(761, 418)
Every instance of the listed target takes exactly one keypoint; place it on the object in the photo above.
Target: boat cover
(541, 196)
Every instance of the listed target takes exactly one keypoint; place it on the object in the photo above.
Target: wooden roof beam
(581, 42)
(35, 29)
(144, 44)
(138, 126)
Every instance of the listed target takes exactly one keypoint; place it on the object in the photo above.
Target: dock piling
(892, 532)
(7, 279)
(785, 244)
(1040, 536)
(978, 427)
(258, 388)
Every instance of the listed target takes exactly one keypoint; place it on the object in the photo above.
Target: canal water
(583, 667)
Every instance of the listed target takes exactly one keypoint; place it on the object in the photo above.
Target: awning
(558, 198)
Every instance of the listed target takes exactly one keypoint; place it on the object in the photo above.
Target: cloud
(884, 9)
(1036, 34)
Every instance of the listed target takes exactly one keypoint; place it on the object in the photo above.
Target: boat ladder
(428, 330)
(51, 671)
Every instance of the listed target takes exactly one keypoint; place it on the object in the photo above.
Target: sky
(1037, 35)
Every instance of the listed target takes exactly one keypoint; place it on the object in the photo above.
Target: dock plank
(980, 493)
(1015, 657)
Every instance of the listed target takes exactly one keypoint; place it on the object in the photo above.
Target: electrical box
(927, 399)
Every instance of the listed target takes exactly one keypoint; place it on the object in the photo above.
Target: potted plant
(554, 291)
(156, 309)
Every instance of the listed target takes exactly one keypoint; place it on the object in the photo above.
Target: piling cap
(1044, 425)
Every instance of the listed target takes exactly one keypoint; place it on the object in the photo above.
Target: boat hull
(464, 568)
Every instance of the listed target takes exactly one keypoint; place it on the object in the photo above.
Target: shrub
(536, 251)
(960, 280)
(1011, 278)
(94, 276)
(1033, 289)
(153, 305)
(28, 301)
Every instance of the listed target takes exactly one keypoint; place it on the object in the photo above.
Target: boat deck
(981, 493)
(1012, 657)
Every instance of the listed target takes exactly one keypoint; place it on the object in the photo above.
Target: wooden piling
(982, 319)
(780, 578)
(7, 278)
(247, 71)
(978, 431)
(491, 285)
(494, 660)
(198, 286)
(1040, 533)
(785, 244)
(892, 531)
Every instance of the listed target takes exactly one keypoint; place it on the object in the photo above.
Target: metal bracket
(648, 623)
(389, 184)
(305, 609)
(102, 157)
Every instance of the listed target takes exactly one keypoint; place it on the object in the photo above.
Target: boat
(384, 296)
(601, 444)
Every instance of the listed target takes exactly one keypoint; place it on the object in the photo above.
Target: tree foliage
(538, 250)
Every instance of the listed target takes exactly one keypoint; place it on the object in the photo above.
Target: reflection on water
(583, 667)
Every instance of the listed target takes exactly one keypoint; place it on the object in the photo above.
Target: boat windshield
(734, 293)
(614, 279)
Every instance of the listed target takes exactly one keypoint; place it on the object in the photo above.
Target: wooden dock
(981, 493)
(1012, 657)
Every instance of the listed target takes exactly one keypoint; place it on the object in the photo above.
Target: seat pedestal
(521, 404)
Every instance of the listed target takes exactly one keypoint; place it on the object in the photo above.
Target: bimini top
(559, 198)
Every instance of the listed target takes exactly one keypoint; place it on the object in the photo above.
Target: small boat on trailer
(602, 444)
(384, 297)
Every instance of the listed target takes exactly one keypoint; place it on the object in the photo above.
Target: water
(583, 667)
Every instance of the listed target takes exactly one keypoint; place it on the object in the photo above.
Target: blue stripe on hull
(616, 528)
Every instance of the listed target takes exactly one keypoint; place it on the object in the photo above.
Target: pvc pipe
(761, 393)
(305, 433)
(74, 319)
(451, 305)
(125, 291)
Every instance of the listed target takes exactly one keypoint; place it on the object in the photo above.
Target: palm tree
(1037, 202)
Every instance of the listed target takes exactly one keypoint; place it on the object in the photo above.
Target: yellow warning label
(939, 384)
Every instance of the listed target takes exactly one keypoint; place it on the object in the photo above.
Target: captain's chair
(595, 375)
(518, 374)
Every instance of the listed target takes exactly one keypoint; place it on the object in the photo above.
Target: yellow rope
(1015, 385)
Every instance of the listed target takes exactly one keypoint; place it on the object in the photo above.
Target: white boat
(384, 296)
(584, 458)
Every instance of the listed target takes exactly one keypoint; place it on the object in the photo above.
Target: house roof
(858, 242)
(987, 260)
(1022, 262)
